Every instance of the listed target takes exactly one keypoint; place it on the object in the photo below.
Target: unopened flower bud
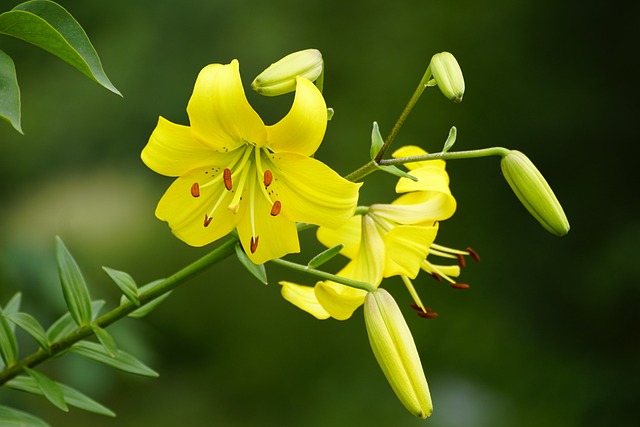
(396, 352)
(448, 75)
(534, 192)
(280, 77)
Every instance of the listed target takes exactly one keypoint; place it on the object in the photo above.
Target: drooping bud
(280, 77)
(396, 352)
(532, 189)
(448, 75)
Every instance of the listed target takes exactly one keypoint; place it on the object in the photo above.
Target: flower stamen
(195, 190)
(268, 178)
(276, 208)
(254, 244)
(207, 220)
(227, 179)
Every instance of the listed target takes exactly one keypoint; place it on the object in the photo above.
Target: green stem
(168, 284)
(405, 113)
(324, 275)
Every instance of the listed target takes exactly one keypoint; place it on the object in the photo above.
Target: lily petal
(304, 298)
(312, 192)
(430, 178)
(338, 300)
(413, 150)
(275, 236)
(173, 150)
(186, 213)
(219, 112)
(302, 129)
(418, 208)
(349, 235)
(406, 247)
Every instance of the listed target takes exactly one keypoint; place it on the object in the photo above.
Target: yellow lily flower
(388, 240)
(235, 172)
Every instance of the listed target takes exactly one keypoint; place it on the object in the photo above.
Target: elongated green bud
(448, 75)
(396, 352)
(534, 192)
(280, 77)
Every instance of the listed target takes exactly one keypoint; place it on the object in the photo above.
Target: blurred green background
(548, 332)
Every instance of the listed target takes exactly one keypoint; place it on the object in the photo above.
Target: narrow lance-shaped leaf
(9, 92)
(394, 170)
(451, 139)
(49, 388)
(325, 256)
(72, 396)
(123, 361)
(13, 418)
(30, 325)
(107, 341)
(8, 342)
(376, 141)
(49, 26)
(258, 270)
(150, 306)
(74, 287)
(126, 284)
(65, 324)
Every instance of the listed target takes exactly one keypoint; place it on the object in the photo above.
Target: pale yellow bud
(280, 77)
(396, 353)
(448, 76)
(534, 192)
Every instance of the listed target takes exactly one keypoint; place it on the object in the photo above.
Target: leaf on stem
(123, 361)
(105, 338)
(394, 170)
(126, 284)
(325, 256)
(9, 92)
(376, 141)
(8, 342)
(49, 388)
(65, 324)
(49, 26)
(451, 139)
(150, 306)
(258, 270)
(31, 326)
(74, 288)
(72, 396)
(13, 417)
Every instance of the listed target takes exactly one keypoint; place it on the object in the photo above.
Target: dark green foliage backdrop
(548, 332)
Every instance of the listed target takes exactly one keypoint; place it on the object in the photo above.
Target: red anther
(459, 286)
(474, 254)
(276, 208)
(268, 178)
(226, 176)
(427, 315)
(415, 306)
(461, 261)
(207, 220)
(437, 277)
(254, 244)
(195, 190)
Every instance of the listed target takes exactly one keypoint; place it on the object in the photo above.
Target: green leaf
(74, 287)
(13, 306)
(9, 92)
(72, 396)
(49, 388)
(394, 170)
(376, 141)
(325, 256)
(65, 324)
(10, 417)
(258, 270)
(8, 342)
(150, 306)
(451, 139)
(49, 26)
(29, 324)
(123, 361)
(126, 284)
(107, 341)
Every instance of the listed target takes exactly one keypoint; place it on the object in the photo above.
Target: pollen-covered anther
(461, 261)
(268, 178)
(427, 315)
(226, 176)
(436, 276)
(459, 286)
(207, 220)
(474, 254)
(276, 208)
(254, 244)
(195, 190)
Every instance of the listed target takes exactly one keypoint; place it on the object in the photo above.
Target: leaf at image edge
(9, 92)
(10, 417)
